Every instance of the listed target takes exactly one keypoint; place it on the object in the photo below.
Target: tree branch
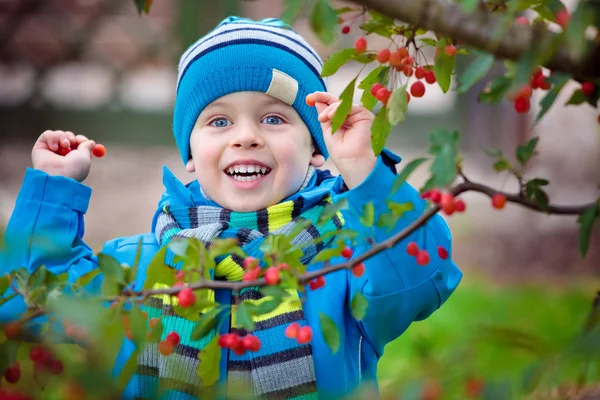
(480, 30)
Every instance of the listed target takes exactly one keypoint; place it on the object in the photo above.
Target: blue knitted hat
(244, 55)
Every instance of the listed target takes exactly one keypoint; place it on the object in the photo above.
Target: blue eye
(273, 120)
(220, 122)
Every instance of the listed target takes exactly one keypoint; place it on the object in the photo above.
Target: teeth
(251, 169)
(246, 178)
(231, 170)
(263, 169)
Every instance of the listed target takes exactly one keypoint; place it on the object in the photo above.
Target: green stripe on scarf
(278, 354)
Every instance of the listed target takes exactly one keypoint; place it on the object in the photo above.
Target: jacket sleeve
(398, 290)
(46, 228)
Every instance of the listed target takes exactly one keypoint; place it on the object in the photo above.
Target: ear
(317, 160)
(190, 167)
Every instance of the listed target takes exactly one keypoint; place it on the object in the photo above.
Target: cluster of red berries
(446, 200)
(521, 97)
(302, 334)
(98, 151)
(43, 361)
(167, 345)
(238, 344)
(253, 271)
(357, 270)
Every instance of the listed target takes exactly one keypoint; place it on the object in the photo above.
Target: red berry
(347, 252)
(537, 72)
(420, 72)
(408, 70)
(317, 283)
(283, 266)
(407, 97)
(239, 348)
(360, 45)
(412, 249)
(38, 354)
(251, 342)
(522, 20)
(174, 338)
(525, 91)
(436, 196)
(250, 263)
(310, 100)
(422, 258)
(292, 330)
(587, 88)
(450, 50)
(417, 89)
(426, 194)
(358, 270)
(543, 83)
(63, 151)
(228, 340)
(153, 322)
(430, 77)
(165, 348)
(99, 150)
(474, 388)
(12, 330)
(408, 60)
(346, 30)
(251, 274)
(186, 297)
(179, 276)
(498, 201)
(522, 105)
(431, 391)
(460, 206)
(442, 252)
(55, 367)
(375, 88)
(304, 335)
(395, 58)
(12, 374)
(383, 56)
(272, 276)
(383, 95)
(562, 17)
(446, 199)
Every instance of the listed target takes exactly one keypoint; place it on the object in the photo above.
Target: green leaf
(586, 223)
(368, 217)
(336, 60)
(156, 332)
(206, 324)
(359, 306)
(327, 254)
(468, 5)
(397, 105)
(127, 371)
(8, 353)
(330, 332)
(292, 10)
(221, 247)
(524, 153)
(276, 292)
(406, 171)
(8, 298)
(265, 306)
(158, 271)
(398, 209)
(139, 5)
(365, 58)
(4, 284)
(138, 326)
(380, 130)
(429, 41)
(373, 77)
(179, 246)
(343, 10)
(382, 28)
(444, 145)
(559, 80)
(136, 262)
(110, 267)
(208, 365)
(243, 317)
(443, 68)
(331, 210)
(577, 98)
(82, 312)
(492, 152)
(534, 191)
(324, 21)
(86, 278)
(502, 165)
(579, 21)
(368, 100)
(343, 110)
(475, 71)
(496, 91)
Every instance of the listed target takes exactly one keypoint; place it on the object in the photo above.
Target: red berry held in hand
(498, 201)
(186, 297)
(360, 45)
(383, 56)
(587, 88)
(174, 338)
(346, 30)
(358, 270)
(417, 89)
(412, 249)
(99, 150)
(272, 276)
(310, 100)
(347, 252)
(292, 330)
(251, 343)
(423, 258)
(442, 252)
(63, 151)
(304, 334)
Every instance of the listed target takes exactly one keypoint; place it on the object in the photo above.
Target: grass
(454, 344)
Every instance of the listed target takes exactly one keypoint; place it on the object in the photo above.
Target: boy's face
(250, 151)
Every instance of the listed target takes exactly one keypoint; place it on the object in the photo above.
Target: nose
(247, 136)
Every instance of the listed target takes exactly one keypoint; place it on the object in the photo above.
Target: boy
(243, 127)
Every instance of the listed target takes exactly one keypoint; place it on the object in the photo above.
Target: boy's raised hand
(63, 153)
(350, 146)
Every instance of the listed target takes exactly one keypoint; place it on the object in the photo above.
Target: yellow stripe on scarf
(289, 304)
(280, 215)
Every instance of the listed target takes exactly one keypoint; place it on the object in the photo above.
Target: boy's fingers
(326, 113)
(324, 97)
(51, 139)
(86, 147)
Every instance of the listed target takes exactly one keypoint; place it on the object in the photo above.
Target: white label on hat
(283, 87)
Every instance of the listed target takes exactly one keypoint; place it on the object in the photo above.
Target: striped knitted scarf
(282, 368)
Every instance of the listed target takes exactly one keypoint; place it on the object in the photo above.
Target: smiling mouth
(247, 173)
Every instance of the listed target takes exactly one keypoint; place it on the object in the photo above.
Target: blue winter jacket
(399, 291)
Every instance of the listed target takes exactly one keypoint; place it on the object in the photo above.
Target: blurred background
(97, 68)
